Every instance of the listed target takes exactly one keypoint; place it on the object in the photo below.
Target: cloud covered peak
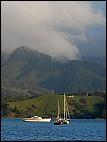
(38, 24)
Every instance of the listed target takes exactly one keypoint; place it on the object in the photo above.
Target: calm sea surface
(78, 129)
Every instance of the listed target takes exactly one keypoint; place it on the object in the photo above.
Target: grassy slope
(48, 103)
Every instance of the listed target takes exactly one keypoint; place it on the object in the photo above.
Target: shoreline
(71, 118)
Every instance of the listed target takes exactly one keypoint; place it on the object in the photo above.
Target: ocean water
(14, 129)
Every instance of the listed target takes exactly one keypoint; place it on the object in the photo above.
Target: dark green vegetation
(27, 73)
(46, 105)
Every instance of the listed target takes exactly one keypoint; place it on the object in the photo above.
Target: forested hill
(28, 70)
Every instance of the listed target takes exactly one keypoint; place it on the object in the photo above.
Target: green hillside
(34, 72)
(46, 105)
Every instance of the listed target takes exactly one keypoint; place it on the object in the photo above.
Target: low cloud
(38, 24)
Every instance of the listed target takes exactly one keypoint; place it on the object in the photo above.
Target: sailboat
(59, 120)
(66, 119)
(66, 112)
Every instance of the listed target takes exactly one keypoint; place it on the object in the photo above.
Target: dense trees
(79, 109)
(27, 74)
(29, 69)
(100, 109)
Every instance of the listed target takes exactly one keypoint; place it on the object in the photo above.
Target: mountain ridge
(32, 67)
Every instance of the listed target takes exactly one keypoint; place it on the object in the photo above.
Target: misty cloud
(37, 25)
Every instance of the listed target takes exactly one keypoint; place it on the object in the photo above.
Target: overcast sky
(62, 29)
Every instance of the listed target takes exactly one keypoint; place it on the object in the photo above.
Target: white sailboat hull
(68, 122)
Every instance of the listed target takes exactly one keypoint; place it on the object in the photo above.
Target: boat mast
(58, 110)
(68, 112)
(64, 105)
(65, 109)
